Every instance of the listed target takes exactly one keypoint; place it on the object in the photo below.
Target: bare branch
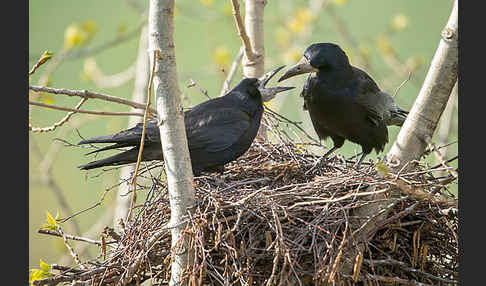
(60, 122)
(202, 90)
(232, 71)
(241, 30)
(439, 157)
(82, 111)
(69, 236)
(87, 94)
(42, 60)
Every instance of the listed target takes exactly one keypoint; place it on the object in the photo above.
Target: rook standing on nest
(218, 130)
(343, 101)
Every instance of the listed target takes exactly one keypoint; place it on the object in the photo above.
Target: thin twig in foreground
(142, 140)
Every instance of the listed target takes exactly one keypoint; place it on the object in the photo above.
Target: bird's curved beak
(303, 66)
(271, 92)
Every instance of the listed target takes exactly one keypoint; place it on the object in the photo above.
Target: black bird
(218, 130)
(343, 101)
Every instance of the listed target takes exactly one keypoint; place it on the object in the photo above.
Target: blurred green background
(387, 38)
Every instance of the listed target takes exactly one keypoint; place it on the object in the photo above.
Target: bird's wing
(376, 102)
(307, 89)
(216, 130)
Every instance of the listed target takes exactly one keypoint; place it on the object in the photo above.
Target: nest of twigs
(267, 221)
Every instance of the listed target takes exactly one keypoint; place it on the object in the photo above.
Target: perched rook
(218, 130)
(343, 101)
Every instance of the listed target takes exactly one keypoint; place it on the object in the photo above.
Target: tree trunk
(172, 132)
(431, 101)
(445, 125)
(254, 66)
(139, 95)
(410, 144)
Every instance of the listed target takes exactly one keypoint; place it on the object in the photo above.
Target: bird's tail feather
(110, 147)
(129, 156)
(100, 139)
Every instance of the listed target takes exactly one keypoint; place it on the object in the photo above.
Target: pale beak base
(303, 66)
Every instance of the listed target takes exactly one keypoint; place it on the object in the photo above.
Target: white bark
(172, 132)
(254, 66)
(431, 101)
(139, 95)
(445, 125)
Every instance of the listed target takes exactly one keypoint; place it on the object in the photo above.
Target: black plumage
(218, 130)
(343, 101)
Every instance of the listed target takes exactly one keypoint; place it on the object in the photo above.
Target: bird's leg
(357, 165)
(322, 159)
(354, 156)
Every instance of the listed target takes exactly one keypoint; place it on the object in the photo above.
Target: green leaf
(51, 222)
(46, 55)
(44, 266)
(38, 274)
(381, 167)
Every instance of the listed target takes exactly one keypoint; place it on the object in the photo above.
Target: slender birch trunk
(410, 144)
(254, 65)
(431, 101)
(445, 124)
(139, 95)
(172, 132)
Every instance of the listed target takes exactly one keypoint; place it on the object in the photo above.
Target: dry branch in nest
(265, 222)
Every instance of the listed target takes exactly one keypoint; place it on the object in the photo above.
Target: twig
(72, 237)
(232, 71)
(203, 91)
(60, 122)
(397, 216)
(142, 140)
(406, 268)
(296, 124)
(396, 280)
(87, 94)
(307, 203)
(439, 157)
(241, 30)
(42, 60)
(402, 84)
(418, 194)
(82, 111)
(70, 248)
(339, 255)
